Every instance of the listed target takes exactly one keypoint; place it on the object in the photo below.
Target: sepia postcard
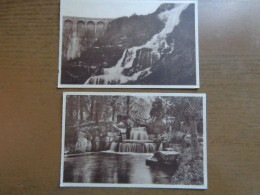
(141, 140)
(128, 44)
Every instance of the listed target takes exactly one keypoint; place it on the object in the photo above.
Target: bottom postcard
(142, 140)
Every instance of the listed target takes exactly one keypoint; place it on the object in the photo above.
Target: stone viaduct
(85, 27)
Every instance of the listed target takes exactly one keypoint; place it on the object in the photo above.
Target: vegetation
(190, 170)
(177, 117)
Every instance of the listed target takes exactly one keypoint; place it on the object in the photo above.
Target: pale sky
(108, 8)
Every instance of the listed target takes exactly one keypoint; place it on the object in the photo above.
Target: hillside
(153, 49)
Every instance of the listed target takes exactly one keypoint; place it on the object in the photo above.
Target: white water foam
(171, 18)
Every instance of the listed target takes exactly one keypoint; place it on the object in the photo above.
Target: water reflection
(114, 168)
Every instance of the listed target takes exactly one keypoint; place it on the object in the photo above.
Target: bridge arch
(81, 28)
(100, 29)
(91, 26)
(68, 27)
(100, 26)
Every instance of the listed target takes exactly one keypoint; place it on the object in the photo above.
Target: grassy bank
(190, 171)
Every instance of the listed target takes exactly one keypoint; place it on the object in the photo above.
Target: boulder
(167, 156)
(151, 161)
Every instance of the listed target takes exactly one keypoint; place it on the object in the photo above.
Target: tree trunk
(78, 108)
(81, 108)
(85, 102)
(113, 112)
(166, 116)
(97, 117)
(127, 105)
(98, 110)
(177, 124)
(70, 109)
(194, 139)
(91, 115)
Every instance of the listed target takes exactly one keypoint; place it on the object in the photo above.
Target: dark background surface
(30, 103)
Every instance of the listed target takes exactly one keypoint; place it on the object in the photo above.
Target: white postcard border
(196, 86)
(205, 171)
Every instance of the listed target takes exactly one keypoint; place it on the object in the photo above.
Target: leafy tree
(157, 109)
(194, 115)
(187, 111)
(155, 127)
(139, 109)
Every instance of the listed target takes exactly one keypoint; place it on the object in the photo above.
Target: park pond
(110, 167)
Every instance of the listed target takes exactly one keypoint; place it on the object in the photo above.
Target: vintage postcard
(128, 44)
(142, 140)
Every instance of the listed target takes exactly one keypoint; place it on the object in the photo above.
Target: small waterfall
(138, 143)
(113, 146)
(150, 147)
(81, 144)
(137, 147)
(160, 147)
(139, 134)
(89, 146)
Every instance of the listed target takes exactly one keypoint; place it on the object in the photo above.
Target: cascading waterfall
(113, 146)
(138, 142)
(114, 75)
(137, 147)
(139, 134)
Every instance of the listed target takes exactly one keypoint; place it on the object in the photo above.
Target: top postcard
(128, 44)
